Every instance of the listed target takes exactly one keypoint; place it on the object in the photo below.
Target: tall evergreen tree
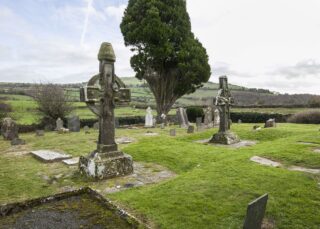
(166, 53)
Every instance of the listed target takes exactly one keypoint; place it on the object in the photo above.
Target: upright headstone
(199, 122)
(154, 122)
(223, 102)
(172, 132)
(96, 126)
(149, 118)
(182, 117)
(190, 129)
(216, 120)
(86, 130)
(208, 119)
(270, 123)
(9, 129)
(74, 124)
(239, 121)
(59, 124)
(102, 93)
(255, 213)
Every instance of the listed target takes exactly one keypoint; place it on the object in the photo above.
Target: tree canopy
(166, 53)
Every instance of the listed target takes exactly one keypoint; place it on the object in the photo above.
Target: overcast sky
(272, 44)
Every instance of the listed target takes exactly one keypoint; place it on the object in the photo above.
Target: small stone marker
(86, 130)
(96, 126)
(239, 121)
(270, 123)
(148, 118)
(124, 140)
(216, 120)
(39, 133)
(173, 132)
(208, 117)
(190, 130)
(49, 156)
(198, 122)
(9, 129)
(265, 161)
(74, 124)
(72, 161)
(255, 213)
(17, 141)
(59, 124)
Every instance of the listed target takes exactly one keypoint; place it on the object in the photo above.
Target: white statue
(149, 118)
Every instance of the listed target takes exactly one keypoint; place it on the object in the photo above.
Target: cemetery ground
(211, 187)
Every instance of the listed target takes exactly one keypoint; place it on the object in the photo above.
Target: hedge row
(255, 117)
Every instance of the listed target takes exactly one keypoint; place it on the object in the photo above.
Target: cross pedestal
(102, 93)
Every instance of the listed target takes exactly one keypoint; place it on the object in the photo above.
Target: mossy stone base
(225, 138)
(101, 166)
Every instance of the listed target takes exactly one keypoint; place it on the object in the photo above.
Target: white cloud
(116, 11)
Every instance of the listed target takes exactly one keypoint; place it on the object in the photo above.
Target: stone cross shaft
(223, 102)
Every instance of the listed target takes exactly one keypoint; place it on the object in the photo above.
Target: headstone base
(106, 165)
(225, 138)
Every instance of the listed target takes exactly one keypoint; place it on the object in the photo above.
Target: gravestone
(17, 141)
(270, 123)
(223, 102)
(74, 124)
(116, 123)
(101, 94)
(86, 130)
(59, 124)
(190, 129)
(208, 117)
(255, 213)
(173, 132)
(182, 117)
(239, 121)
(216, 120)
(149, 118)
(96, 126)
(40, 133)
(9, 129)
(154, 122)
(49, 156)
(199, 122)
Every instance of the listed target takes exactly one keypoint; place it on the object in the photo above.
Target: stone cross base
(225, 138)
(102, 166)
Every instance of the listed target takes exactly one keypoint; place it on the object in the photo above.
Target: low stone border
(13, 208)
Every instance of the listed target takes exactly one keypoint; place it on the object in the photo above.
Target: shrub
(306, 117)
(194, 112)
(255, 117)
(4, 110)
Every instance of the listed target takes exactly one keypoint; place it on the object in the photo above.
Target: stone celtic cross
(102, 93)
(223, 102)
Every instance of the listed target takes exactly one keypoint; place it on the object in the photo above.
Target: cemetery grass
(213, 185)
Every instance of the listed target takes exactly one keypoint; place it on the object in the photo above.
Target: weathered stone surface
(173, 132)
(216, 120)
(242, 143)
(149, 118)
(151, 134)
(72, 161)
(270, 123)
(198, 122)
(239, 121)
(59, 124)
(182, 117)
(124, 140)
(302, 169)
(102, 167)
(9, 129)
(265, 161)
(49, 156)
(96, 126)
(63, 131)
(208, 117)
(17, 141)
(190, 129)
(255, 213)
(40, 133)
(223, 102)
(74, 124)
(225, 138)
(86, 130)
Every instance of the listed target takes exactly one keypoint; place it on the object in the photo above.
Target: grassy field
(213, 184)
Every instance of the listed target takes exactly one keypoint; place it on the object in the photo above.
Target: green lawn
(213, 184)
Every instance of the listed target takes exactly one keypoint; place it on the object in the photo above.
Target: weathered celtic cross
(103, 92)
(223, 102)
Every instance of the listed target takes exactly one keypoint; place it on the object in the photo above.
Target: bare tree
(53, 101)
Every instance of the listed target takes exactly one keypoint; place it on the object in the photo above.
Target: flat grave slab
(151, 134)
(72, 161)
(82, 208)
(49, 156)
(124, 140)
(316, 150)
(265, 161)
(308, 143)
(242, 143)
(302, 169)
